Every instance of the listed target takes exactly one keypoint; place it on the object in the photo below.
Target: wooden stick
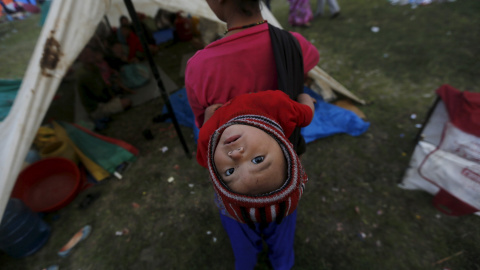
(320, 75)
(448, 258)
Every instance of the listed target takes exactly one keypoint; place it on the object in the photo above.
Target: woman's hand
(210, 110)
(306, 99)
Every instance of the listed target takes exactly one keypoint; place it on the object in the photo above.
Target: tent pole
(156, 74)
(107, 22)
(427, 118)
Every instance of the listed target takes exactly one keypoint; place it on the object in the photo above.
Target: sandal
(79, 236)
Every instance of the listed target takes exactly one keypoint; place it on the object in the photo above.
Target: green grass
(17, 41)
(352, 189)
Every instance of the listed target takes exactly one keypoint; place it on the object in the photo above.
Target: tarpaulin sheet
(330, 119)
(463, 108)
(101, 155)
(8, 92)
(183, 112)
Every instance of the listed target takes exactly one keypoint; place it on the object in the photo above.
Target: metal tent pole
(107, 22)
(427, 118)
(156, 74)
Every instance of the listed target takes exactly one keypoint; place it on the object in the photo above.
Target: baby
(254, 169)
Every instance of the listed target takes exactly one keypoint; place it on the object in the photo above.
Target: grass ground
(352, 216)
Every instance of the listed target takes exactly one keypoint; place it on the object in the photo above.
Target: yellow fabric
(44, 137)
(97, 172)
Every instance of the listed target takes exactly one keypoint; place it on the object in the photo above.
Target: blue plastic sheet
(182, 110)
(330, 119)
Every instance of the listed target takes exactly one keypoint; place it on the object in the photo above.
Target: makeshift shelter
(446, 159)
(68, 28)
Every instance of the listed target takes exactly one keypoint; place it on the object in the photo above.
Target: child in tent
(257, 176)
(97, 96)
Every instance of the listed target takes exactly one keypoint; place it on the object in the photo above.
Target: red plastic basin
(48, 185)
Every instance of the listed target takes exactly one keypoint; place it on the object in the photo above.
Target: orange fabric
(7, 2)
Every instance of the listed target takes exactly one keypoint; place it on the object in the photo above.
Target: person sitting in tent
(110, 76)
(131, 75)
(98, 98)
(127, 36)
(124, 21)
(131, 42)
(115, 53)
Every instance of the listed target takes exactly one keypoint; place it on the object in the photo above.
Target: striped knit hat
(268, 207)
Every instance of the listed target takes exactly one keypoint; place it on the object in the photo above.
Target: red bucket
(49, 184)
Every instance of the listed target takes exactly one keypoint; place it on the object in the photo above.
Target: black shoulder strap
(289, 62)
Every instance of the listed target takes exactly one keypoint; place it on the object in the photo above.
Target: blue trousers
(247, 243)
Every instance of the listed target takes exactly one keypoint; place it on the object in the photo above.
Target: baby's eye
(257, 160)
(229, 171)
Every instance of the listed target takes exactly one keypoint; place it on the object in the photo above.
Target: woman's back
(234, 65)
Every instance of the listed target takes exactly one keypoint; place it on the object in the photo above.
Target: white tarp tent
(446, 159)
(69, 26)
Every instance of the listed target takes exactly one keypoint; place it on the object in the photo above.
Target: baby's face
(249, 160)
